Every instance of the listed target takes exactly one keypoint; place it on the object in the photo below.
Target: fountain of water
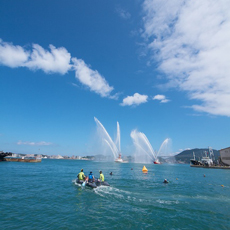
(115, 147)
(144, 152)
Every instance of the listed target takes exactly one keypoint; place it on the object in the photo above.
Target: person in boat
(91, 177)
(102, 178)
(81, 176)
(111, 173)
(165, 181)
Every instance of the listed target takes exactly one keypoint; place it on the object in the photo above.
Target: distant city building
(59, 157)
(225, 155)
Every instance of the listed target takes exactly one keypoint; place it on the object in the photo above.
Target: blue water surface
(43, 196)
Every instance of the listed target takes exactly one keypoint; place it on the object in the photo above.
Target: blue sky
(156, 66)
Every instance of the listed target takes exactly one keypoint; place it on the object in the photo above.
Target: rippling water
(42, 196)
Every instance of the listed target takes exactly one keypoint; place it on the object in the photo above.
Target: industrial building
(225, 156)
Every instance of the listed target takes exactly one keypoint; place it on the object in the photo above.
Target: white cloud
(74, 84)
(34, 143)
(55, 61)
(136, 99)
(91, 78)
(123, 14)
(12, 56)
(161, 98)
(191, 42)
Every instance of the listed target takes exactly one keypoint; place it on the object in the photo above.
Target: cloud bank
(34, 143)
(191, 42)
(55, 60)
(161, 98)
(135, 100)
(12, 56)
(123, 13)
(91, 78)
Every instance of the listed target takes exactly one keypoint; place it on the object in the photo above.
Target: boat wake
(167, 201)
(106, 191)
(112, 193)
(75, 183)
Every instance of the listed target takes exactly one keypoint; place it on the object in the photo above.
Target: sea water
(43, 196)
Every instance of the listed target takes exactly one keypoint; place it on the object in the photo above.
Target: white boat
(156, 162)
(206, 161)
(120, 160)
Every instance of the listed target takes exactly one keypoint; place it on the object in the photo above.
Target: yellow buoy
(222, 185)
(144, 170)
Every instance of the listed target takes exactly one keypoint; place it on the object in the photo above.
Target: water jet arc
(115, 147)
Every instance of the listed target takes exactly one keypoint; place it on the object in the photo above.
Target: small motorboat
(93, 184)
(86, 183)
(102, 183)
(156, 162)
(120, 160)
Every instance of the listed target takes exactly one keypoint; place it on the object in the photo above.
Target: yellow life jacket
(81, 175)
(102, 178)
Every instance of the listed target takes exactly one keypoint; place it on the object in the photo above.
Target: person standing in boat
(81, 176)
(91, 177)
(102, 178)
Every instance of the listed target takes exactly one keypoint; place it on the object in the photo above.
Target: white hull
(119, 160)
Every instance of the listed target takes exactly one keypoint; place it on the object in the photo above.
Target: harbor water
(43, 196)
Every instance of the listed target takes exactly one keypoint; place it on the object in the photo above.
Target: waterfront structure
(3, 155)
(225, 156)
(17, 158)
(207, 162)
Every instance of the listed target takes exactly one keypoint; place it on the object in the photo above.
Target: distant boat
(156, 162)
(23, 159)
(206, 161)
(119, 159)
(3, 155)
(194, 162)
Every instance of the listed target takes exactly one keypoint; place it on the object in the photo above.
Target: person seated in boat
(111, 173)
(81, 176)
(165, 181)
(91, 177)
(102, 178)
